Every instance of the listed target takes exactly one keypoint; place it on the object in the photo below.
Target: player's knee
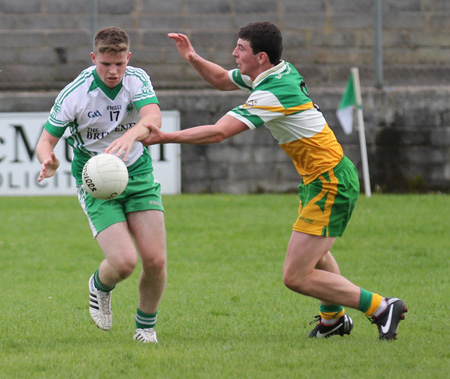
(289, 281)
(296, 283)
(126, 268)
(154, 264)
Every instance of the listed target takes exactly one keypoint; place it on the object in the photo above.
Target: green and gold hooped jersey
(280, 101)
(97, 115)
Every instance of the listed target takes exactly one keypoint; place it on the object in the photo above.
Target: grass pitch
(225, 313)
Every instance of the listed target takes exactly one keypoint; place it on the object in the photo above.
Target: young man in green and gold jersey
(329, 189)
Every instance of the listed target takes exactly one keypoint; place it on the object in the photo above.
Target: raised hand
(184, 46)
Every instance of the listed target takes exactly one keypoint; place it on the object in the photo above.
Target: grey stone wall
(407, 133)
(45, 43)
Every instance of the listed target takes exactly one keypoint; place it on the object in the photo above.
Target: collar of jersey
(273, 70)
(97, 83)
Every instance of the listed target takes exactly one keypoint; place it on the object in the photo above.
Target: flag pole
(362, 134)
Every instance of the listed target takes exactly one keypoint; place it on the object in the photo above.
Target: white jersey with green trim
(97, 115)
(280, 100)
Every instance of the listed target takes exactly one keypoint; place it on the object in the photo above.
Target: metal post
(362, 132)
(378, 26)
(94, 12)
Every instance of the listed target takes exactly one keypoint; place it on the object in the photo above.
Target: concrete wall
(45, 43)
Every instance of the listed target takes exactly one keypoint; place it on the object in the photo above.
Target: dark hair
(264, 37)
(111, 40)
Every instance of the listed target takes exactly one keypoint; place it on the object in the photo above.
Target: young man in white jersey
(101, 104)
(279, 100)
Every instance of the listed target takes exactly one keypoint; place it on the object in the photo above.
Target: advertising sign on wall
(19, 167)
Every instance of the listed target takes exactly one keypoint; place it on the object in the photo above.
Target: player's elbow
(222, 82)
(218, 138)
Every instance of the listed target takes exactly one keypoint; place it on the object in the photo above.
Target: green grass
(226, 312)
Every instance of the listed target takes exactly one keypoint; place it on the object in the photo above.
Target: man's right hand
(184, 46)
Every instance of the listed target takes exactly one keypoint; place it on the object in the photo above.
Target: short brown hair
(264, 37)
(111, 40)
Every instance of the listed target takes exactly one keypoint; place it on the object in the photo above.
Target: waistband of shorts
(342, 163)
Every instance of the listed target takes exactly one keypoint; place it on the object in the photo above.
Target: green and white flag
(345, 109)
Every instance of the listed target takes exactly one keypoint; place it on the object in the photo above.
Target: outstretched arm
(45, 154)
(226, 127)
(149, 113)
(211, 72)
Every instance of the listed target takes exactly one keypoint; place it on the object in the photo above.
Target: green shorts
(327, 203)
(143, 193)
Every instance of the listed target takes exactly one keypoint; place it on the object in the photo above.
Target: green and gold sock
(329, 314)
(369, 302)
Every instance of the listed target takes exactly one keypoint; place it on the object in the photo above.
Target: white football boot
(145, 335)
(100, 306)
